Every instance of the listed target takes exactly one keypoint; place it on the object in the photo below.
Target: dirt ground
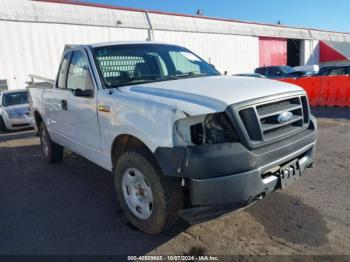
(71, 208)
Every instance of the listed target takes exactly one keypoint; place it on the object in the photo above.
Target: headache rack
(260, 121)
(42, 83)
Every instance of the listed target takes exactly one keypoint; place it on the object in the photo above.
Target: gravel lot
(71, 208)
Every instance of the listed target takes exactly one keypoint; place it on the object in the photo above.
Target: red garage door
(272, 51)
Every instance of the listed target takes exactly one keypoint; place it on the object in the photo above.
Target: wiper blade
(154, 78)
(151, 78)
(190, 74)
(132, 80)
(142, 81)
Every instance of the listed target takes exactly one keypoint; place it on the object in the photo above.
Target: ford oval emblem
(284, 117)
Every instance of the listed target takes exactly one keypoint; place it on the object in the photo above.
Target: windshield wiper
(190, 74)
(140, 80)
(154, 78)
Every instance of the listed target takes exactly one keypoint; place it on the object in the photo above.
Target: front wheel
(149, 199)
(53, 152)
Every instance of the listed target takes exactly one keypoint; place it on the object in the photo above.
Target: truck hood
(19, 109)
(203, 95)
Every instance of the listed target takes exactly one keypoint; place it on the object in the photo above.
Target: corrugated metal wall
(231, 53)
(36, 48)
(80, 14)
(34, 33)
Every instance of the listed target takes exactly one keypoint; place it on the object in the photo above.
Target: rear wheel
(53, 152)
(2, 125)
(149, 199)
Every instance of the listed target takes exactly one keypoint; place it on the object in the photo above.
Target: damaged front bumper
(232, 175)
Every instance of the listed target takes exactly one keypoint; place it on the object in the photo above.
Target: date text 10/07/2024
(173, 258)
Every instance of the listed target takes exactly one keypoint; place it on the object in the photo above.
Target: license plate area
(289, 173)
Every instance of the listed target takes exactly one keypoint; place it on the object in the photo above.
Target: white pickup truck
(180, 138)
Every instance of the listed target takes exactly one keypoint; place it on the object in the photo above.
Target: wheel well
(125, 143)
(38, 119)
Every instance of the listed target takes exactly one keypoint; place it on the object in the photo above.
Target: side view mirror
(83, 93)
(213, 66)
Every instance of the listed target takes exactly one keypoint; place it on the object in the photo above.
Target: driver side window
(79, 76)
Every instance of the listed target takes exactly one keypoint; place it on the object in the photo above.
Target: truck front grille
(262, 122)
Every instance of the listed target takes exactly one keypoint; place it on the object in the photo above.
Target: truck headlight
(208, 129)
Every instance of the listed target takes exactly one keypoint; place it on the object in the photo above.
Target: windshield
(287, 69)
(17, 98)
(143, 63)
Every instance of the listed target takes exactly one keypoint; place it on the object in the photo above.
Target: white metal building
(34, 33)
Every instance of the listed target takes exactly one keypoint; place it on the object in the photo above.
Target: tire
(2, 125)
(166, 192)
(53, 152)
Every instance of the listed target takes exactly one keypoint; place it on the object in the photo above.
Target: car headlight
(207, 129)
(12, 114)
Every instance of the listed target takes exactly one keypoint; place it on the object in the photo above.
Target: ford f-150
(176, 134)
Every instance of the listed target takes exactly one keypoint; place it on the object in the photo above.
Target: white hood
(19, 109)
(203, 95)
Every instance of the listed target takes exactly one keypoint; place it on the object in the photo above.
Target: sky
(319, 14)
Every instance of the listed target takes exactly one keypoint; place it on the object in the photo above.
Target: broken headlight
(208, 129)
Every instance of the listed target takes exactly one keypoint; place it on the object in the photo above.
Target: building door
(293, 52)
(272, 51)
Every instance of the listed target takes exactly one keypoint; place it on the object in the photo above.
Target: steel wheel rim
(137, 193)
(44, 142)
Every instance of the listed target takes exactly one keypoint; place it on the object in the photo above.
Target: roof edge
(98, 5)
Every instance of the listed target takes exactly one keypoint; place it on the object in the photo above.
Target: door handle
(64, 105)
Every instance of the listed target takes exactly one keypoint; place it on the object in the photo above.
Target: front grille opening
(297, 112)
(251, 123)
(274, 118)
(278, 106)
(286, 129)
